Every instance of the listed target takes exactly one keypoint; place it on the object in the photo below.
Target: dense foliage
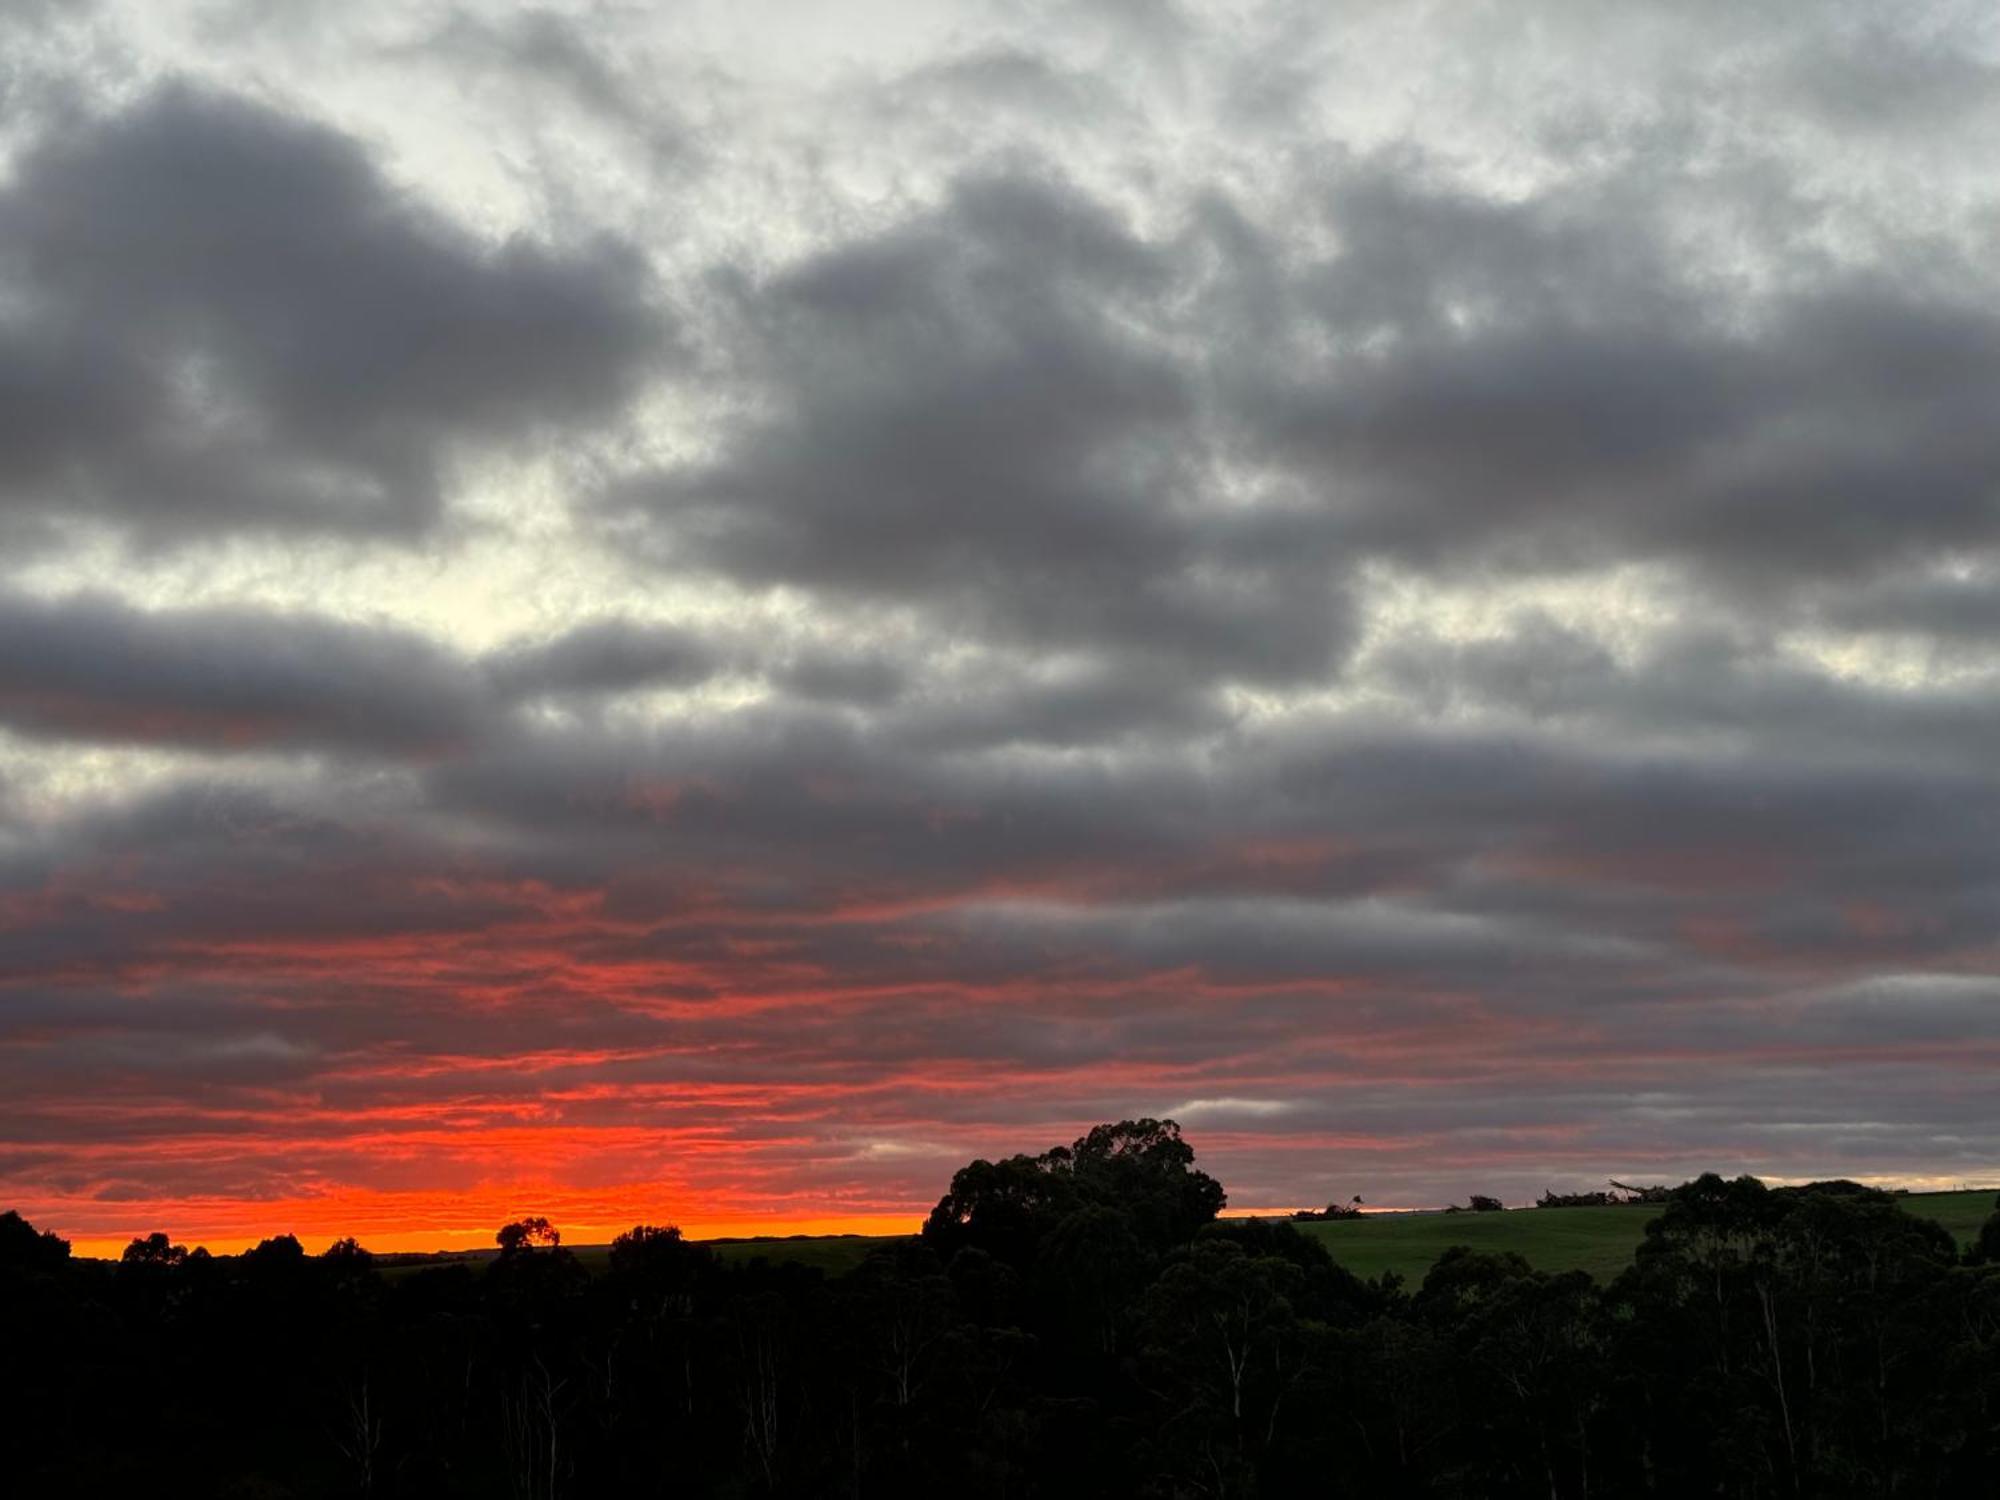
(1074, 1323)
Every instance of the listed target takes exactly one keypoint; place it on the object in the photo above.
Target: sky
(699, 612)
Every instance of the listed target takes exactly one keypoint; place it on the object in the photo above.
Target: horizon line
(740, 1229)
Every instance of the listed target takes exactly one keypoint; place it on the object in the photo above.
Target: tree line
(1073, 1323)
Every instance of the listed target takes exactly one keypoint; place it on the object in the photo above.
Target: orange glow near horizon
(434, 1241)
(425, 1222)
(316, 1231)
(458, 1051)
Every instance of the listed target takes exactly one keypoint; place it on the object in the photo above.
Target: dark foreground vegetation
(1076, 1323)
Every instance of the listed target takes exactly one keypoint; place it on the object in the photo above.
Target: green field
(1597, 1240)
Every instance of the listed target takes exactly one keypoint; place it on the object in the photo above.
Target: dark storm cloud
(222, 316)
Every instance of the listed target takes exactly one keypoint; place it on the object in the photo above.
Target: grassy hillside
(1597, 1240)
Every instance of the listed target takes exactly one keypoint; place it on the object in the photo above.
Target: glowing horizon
(317, 1224)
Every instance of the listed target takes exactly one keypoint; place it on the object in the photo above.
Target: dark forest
(1074, 1323)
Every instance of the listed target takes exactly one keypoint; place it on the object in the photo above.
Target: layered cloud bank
(699, 613)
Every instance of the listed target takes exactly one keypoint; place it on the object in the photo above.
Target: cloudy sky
(700, 611)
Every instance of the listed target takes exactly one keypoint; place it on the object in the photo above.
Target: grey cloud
(536, 48)
(1420, 256)
(91, 668)
(817, 673)
(1909, 73)
(30, 21)
(603, 656)
(1002, 78)
(1539, 667)
(756, 800)
(1706, 684)
(1324, 943)
(1522, 840)
(227, 317)
(960, 418)
(15, 12)
(226, 680)
(1528, 871)
(1018, 417)
(615, 655)
(1532, 385)
(1059, 705)
(1949, 608)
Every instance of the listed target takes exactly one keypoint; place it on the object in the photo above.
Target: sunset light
(703, 613)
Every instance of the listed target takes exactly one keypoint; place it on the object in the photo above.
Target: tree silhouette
(525, 1234)
(1985, 1250)
(23, 1248)
(1141, 1170)
(347, 1256)
(152, 1250)
(280, 1252)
